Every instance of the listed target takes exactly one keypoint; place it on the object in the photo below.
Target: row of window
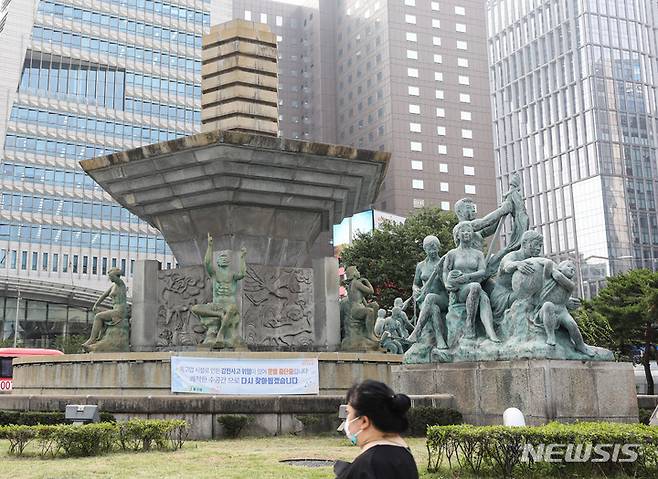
(444, 187)
(122, 50)
(50, 176)
(443, 168)
(435, 7)
(420, 203)
(414, 109)
(83, 238)
(166, 9)
(46, 73)
(417, 146)
(131, 26)
(72, 263)
(169, 112)
(62, 207)
(81, 123)
(62, 149)
(160, 85)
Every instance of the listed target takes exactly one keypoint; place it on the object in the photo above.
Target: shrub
(423, 416)
(96, 439)
(645, 415)
(144, 434)
(497, 450)
(233, 424)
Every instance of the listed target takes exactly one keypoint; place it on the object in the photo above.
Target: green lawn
(225, 459)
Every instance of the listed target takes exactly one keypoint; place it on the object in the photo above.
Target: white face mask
(351, 437)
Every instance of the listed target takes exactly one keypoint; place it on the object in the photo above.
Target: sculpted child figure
(362, 313)
(399, 315)
(221, 318)
(463, 270)
(390, 331)
(554, 298)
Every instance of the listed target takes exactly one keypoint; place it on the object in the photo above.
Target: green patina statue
(221, 318)
(509, 304)
(359, 314)
(110, 331)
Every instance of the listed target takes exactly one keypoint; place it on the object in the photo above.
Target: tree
(387, 256)
(629, 303)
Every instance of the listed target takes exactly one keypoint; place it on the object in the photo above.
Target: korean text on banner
(244, 376)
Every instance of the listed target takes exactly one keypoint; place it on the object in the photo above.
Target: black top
(379, 462)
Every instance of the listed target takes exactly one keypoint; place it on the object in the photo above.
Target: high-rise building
(406, 76)
(574, 111)
(82, 78)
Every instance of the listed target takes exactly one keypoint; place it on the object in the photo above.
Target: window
(468, 134)
(438, 76)
(466, 115)
(263, 18)
(462, 45)
(412, 54)
(469, 189)
(247, 15)
(412, 72)
(412, 37)
(439, 95)
(415, 127)
(24, 260)
(436, 41)
(413, 91)
(443, 167)
(444, 186)
(410, 19)
(464, 98)
(435, 6)
(438, 58)
(462, 62)
(441, 130)
(467, 152)
(419, 203)
(469, 170)
(445, 205)
(436, 23)
(416, 165)
(279, 21)
(415, 109)
(410, 3)
(464, 80)
(417, 184)
(442, 149)
(440, 112)
(35, 259)
(416, 146)
(460, 27)
(460, 11)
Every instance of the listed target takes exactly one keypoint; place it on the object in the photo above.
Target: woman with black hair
(375, 418)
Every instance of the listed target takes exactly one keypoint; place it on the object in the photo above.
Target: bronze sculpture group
(512, 304)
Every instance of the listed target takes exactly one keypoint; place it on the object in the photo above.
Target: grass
(227, 459)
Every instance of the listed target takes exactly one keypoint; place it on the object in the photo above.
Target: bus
(8, 354)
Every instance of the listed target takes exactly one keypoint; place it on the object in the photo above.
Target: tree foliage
(629, 304)
(388, 256)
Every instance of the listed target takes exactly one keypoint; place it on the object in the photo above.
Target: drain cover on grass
(309, 462)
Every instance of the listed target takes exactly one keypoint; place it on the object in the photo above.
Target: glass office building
(82, 79)
(574, 109)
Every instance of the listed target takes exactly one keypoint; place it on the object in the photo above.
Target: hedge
(96, 439)
(35, 418)
(422, 417)
(498, 451)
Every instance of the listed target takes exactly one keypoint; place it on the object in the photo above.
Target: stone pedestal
(544, 390)
(282, 308)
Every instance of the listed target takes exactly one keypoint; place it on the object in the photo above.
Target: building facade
(574, 111)
(406, 76)
(83, 78)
